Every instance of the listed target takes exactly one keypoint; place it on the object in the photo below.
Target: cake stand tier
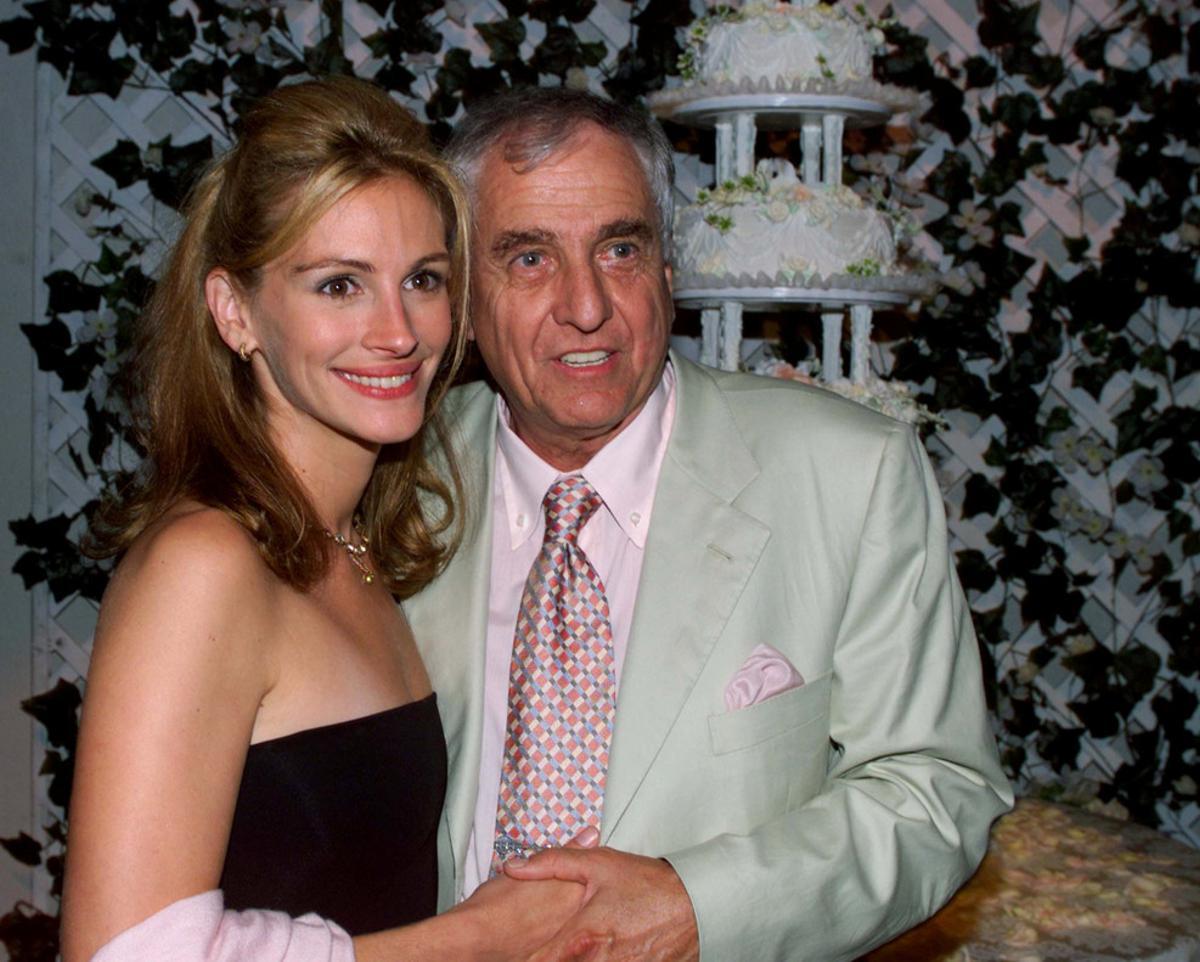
(778, 111)
(776, 298)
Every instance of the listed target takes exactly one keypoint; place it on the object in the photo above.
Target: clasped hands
(582, 903)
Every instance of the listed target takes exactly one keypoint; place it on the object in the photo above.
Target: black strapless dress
(342, 820)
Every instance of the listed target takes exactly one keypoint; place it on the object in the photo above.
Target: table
(1060, 884)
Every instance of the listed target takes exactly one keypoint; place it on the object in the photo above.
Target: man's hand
(634, 909)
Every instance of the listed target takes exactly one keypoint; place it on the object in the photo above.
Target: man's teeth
(584, 358)
(381, 382)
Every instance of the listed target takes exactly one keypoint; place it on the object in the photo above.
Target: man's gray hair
(532, 123)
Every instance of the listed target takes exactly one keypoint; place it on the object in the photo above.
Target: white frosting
(783, 44)
(773, 225)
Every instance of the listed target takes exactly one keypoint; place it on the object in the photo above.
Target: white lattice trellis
(75, 130)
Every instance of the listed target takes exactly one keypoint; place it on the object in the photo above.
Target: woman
(258, 722)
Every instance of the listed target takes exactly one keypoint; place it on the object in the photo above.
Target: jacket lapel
(449, 618)
(699, 556)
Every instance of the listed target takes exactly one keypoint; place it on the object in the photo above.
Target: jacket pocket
(783, 713)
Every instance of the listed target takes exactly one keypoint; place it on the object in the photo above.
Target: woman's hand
(513, 919)
(518, 917)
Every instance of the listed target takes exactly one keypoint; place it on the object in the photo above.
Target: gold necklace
(357, 552)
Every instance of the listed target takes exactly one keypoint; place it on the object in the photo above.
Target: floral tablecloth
(1062, 885)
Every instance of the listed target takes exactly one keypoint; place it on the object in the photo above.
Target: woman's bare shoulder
(196, 546)
(195, 575)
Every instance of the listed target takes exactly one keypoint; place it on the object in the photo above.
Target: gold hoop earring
(243, 353)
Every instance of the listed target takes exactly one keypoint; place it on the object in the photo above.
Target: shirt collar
(624, 472)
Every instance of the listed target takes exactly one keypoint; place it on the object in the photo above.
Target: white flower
(1103, 116)
(95, 328)
(1080, 644)
(1066, 508)
(243, 37)
(1147, 476)
(966, 278)
(576, 79)
(456, 10)
(1094, 455)
(420, 61)
(1092, 525)
(876, 163)
(972, 221)
(1027, 672)
(1119, 542)
(1142, 555)
(1189, 234)
(1066, 448)
(1185, 785)
(777, 211)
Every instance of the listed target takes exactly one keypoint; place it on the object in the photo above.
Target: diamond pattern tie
(561, 689)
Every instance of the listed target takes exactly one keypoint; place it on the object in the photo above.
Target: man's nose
(583, 300)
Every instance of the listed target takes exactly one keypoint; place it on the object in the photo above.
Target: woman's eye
(337, 287)
(430, 281)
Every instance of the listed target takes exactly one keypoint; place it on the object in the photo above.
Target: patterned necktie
(561, 689)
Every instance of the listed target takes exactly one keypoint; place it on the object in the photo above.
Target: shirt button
(520, 521)
(636, 518)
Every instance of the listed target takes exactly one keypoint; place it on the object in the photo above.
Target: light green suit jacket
(831, 817)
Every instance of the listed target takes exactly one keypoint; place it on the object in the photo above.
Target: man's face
(571, 302)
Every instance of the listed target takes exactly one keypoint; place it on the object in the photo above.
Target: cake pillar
(860, 342)
(810, 152)
(724, 151)
(834, 126)
(831, 352)
(743, 144)
(710, 335)
(731, 336)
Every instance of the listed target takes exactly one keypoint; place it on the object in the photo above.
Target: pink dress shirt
(625, 474)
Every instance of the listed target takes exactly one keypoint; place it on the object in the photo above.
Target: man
(798, 763)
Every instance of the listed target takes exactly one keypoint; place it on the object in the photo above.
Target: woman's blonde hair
(199, 413)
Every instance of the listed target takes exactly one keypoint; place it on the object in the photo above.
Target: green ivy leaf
(56, 711)
(181, 166)
(1139, 666)
(24, 848)
(504, 39)
(395, 76)
(1099, 715)
(199, 76)
(974, 571)
(18, 34)
(981, 497)
(980, 72)
(548, 11)
(1060, 746)
(50, 341)
(123, 163)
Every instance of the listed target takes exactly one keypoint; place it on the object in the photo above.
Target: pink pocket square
(764, 674)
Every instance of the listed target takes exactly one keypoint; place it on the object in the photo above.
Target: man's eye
(623, 249)
(337, 287)
(529, 259)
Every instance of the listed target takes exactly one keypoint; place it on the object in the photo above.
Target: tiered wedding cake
(770, 234)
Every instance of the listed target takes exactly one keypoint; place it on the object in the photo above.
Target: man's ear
(669, 274)
(229, 309)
